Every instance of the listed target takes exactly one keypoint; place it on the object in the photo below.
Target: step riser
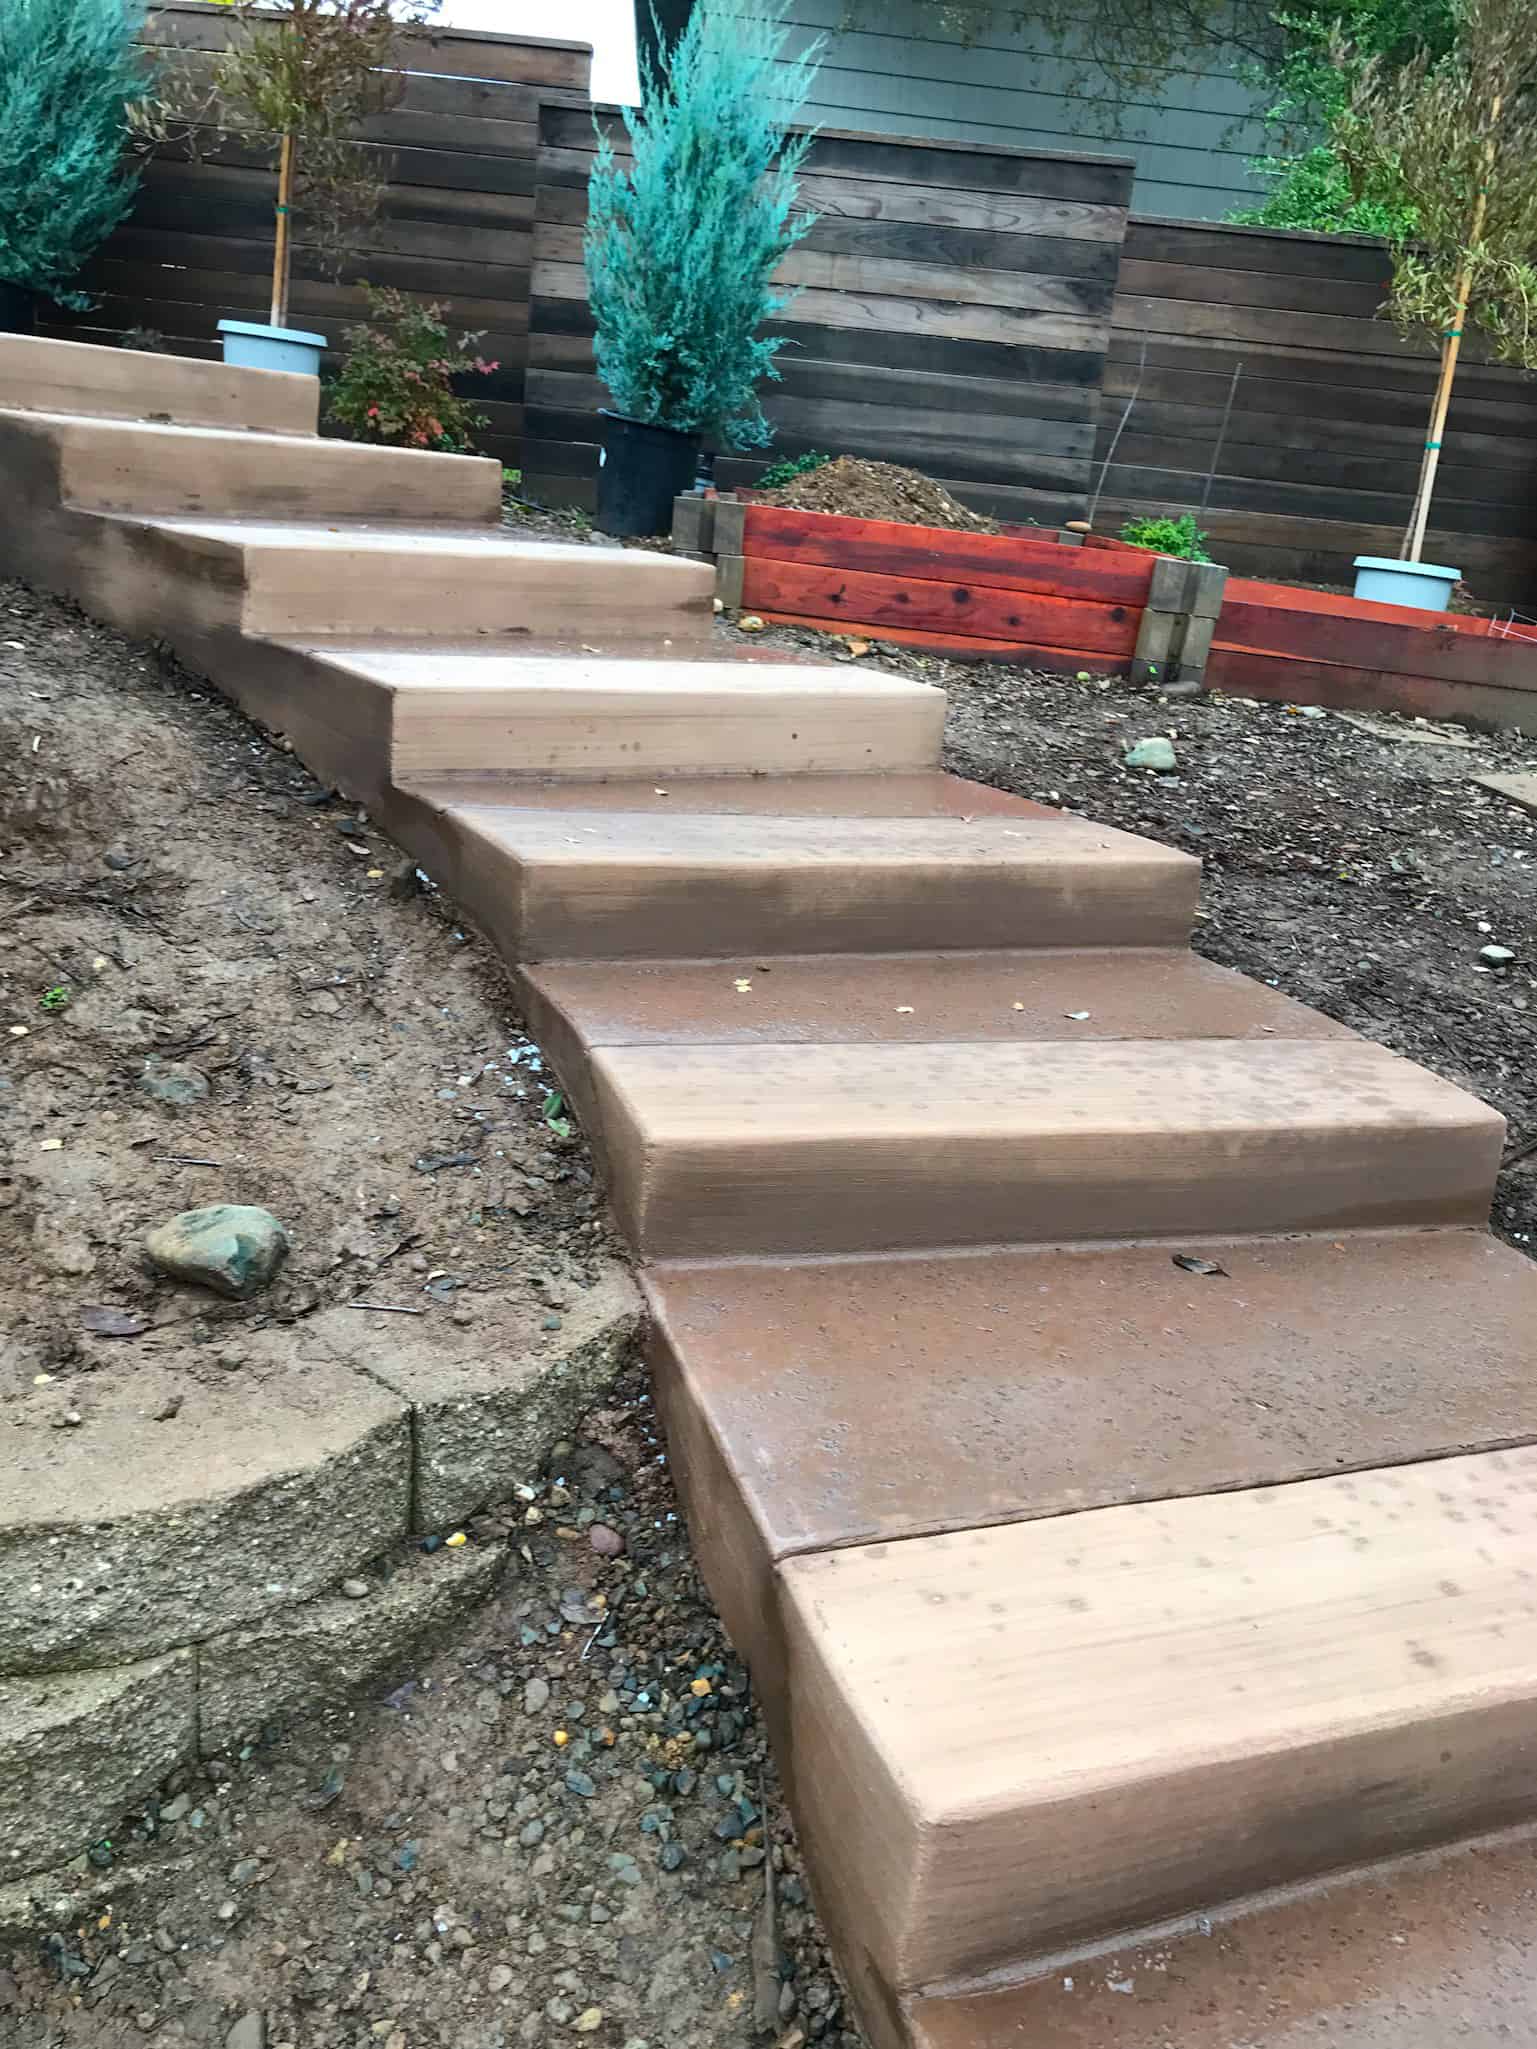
(585, 734)
(753, 1196)
(340, 593)
(1226, 1695)
(126, 470)
(81, 377)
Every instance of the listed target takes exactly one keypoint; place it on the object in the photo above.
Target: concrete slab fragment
(1520, 789)
(299, 1660)
(130, 1535)
(78, 1748)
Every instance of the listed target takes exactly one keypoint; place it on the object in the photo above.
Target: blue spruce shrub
(68, 71)
(680, 247)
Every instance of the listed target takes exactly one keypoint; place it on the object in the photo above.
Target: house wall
(889, 70)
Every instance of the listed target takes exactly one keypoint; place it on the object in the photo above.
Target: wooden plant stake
(1451, 349)
(280, 252)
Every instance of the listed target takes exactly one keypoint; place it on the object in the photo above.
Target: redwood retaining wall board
(456, 227)
(953, 312)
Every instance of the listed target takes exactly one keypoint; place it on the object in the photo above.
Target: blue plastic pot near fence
(1425, 585)
(252, 345)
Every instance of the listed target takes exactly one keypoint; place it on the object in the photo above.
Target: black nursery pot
(641, 469)
(18, 308)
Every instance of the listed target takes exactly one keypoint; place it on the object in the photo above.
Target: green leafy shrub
(793, 466)
(680, 246)
(1313, 191)
(395, 385)
(1168, 536)
(69, 74)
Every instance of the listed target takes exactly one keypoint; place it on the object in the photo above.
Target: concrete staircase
(1085, 1588)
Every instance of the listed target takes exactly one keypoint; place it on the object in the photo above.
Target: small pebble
(606, 1542)
(356, 1589)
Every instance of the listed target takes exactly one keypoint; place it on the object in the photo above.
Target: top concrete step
(1435, 1951)
(289, 579)
(1022, 1737)
(127, 466)
(132, 384)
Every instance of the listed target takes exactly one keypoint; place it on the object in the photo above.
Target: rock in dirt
(173, 1082)
(249, 2032)
(1156, 753)
(606, 1542)
(234, 1248)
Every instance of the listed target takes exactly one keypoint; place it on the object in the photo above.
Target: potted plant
(1451, 145)
(70, 71)
(304, 80)
(680, 248)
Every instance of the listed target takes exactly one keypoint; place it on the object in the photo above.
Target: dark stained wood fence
(457, 225)
(1324, 445)
(953, 314)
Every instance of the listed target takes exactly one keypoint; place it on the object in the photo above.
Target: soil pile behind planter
(877, 490)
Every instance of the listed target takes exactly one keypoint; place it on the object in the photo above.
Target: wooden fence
(1328, 424)
(457, 224)
(954, 312)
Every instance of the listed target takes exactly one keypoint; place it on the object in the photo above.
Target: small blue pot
(252, 345)
(1425, 585)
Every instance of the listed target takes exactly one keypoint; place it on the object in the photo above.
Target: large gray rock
(234, 1248)
(314, 1655)
(79, 1748)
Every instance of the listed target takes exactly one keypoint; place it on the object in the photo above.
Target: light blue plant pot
(252, 345)
(1425, 585)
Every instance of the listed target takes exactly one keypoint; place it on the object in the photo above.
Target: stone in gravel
(498, 1978)
(233, 1248)
(673, 1854)
(580, 1784)
(117, 859)
(249, 2032)
(536, 1696)
(1496, 956)
(356, 1589)
(606, 1542)
(178, 1808)
(1156, 753)
(589, 2021)
(173, 1082)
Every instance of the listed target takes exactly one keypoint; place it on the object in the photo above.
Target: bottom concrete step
(813, 1405)
(1012, 1739)
(1437, 1951)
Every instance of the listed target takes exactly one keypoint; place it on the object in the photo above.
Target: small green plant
(512, 481)
(148, 341)
(54, 1000)
(70, 73)
(791, 467)
(555, 1114)
(1166, 535)
(681, 245)
(395, 386)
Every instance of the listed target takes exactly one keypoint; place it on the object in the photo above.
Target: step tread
(1127, 992)
(446, 538)
(921, 793)
(1026, 1734)
(1430, 1951)
(563, 677)
(812, 1405)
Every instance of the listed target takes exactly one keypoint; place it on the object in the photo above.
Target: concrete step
(900, 998)
(575, 714)
(812, 1405)
(816, 1149)
(580, 882)
(1016, 1738)
(133, 384)
(1422, 1952)
(129, 466)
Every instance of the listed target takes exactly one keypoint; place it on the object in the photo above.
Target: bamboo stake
(280, 260)
(1451, 349)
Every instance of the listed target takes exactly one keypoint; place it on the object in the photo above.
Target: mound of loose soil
(877, 490)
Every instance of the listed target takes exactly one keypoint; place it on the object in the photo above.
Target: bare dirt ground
(220, 984)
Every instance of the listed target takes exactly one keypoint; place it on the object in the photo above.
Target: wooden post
(280, 255)
(1451, 349)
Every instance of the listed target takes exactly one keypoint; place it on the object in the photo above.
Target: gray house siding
(1191, 142)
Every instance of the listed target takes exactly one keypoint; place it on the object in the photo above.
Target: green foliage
(54, 1000)
(791, 467)
(681, 246)
(1429, 138)
(69, 71)
(395, 386)
(1166, 535)
(1313, 191)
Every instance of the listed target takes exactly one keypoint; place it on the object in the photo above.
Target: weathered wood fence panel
(1328, 423)
(953, 313)
(457, 223)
